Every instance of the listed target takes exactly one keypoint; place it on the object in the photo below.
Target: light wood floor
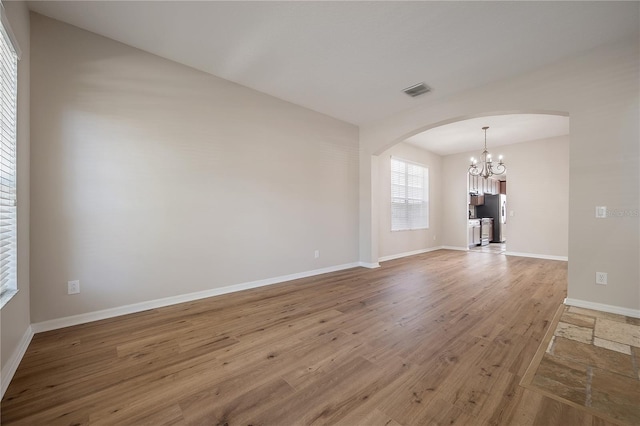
(438, 338)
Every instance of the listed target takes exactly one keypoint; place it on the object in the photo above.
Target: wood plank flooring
(439, 338)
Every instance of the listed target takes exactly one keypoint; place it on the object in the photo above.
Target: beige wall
(126, 144)
(537, 194)
(15, 316)
(599, 90)
(151, 179)
(399, 242)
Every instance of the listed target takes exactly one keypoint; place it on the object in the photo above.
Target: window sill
(6, 296)
(410, 229)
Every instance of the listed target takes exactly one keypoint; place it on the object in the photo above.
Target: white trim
(7, 295)
(537, 256)
(635, 313)
(369, 265)
(455, 248)
(408, 253)
(167, 301)
(13, 362)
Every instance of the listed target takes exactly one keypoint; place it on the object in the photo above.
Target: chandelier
(487, 168)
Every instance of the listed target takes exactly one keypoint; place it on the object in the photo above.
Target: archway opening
(534, 209)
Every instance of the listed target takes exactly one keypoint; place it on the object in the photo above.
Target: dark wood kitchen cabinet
(503, 187)
(476, 200)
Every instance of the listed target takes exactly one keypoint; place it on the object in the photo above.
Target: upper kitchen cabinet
(495, 186)
(479, 185)
(491, 186)
(503, 186)
(474, 185)
(476, 200)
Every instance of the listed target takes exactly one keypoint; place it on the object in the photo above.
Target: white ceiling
(350, 60)
(467, 135)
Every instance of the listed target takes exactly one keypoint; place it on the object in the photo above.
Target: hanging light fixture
(487, 168)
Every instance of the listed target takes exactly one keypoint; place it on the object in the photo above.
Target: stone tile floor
(593, 361)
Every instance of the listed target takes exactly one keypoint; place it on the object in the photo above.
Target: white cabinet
(474, 232)
(491, 186)
(479, 185)
(474, 186)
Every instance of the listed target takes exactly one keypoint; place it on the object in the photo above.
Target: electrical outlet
(601, 212)
(73, 287)
(317, 254)
(601, 278)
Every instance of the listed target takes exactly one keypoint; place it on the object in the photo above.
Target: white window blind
(8, 119)
(409, 195)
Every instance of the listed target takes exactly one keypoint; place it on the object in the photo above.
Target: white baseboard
(408, 253)
(369, 265)
(167, 301)
(635, 313)
(537, 256)
(455, 248)
(14, 360)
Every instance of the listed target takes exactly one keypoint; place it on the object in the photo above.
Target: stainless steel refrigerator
(495, 206)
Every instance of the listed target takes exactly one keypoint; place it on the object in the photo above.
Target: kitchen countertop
(478, 221)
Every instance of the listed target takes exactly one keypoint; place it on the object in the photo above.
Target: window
(409, 195)
(8, 120)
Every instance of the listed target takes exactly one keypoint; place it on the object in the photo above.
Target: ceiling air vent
(417, 90)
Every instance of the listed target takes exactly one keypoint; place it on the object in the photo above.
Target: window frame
(9, 58)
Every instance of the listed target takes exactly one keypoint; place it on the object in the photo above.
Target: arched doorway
(540, 139)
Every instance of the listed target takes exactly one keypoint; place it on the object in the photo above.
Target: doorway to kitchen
(487, 211)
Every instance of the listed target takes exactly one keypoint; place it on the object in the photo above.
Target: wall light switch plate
(601, 212)
(73, 287)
